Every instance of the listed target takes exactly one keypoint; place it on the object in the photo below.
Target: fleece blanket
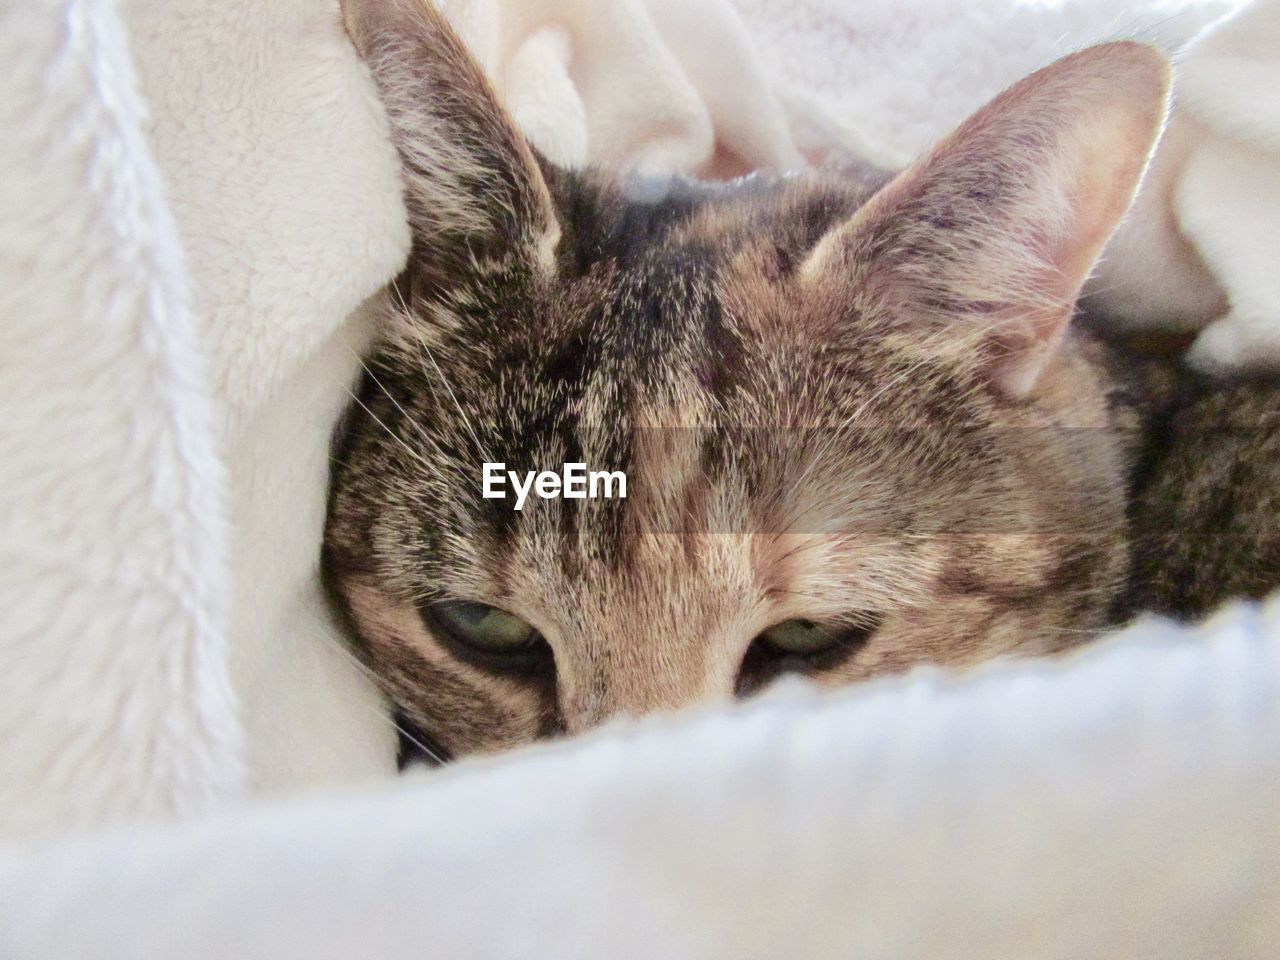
(115, 699)
(194, 201)
(1121, 805)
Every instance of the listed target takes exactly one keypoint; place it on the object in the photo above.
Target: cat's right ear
(473, 187)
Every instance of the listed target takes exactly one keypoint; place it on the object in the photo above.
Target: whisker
(436, 758)
(408, 318)
(404, 413)
(389, 718)
(394, 436)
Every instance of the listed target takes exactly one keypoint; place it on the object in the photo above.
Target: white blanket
(177, 286)
(1120, 806)
(114, 574)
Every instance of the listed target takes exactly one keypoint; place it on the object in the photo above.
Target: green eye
(805, 638)
(800, 637)
(803, 646)
(481, 628)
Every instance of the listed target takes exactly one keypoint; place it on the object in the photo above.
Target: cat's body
(1204, 485)
(856, 431)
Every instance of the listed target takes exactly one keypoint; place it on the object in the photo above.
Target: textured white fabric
(286, 195)
(1122, 805)
(174, 283)
(657, 85)
(114, 583)
(1228, 199)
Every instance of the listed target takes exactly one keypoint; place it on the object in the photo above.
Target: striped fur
(833, 398)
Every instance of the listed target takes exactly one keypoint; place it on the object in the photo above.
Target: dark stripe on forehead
(658, 317)
(619, 224)
(657, 338)
(559, 369)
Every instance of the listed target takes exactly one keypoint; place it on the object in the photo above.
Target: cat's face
(852, 435)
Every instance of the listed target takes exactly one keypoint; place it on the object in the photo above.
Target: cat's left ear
(473, 187)
(995, 230)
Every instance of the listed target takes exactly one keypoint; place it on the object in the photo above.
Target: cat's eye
(482, 629)
(802, 646)
(802, 637)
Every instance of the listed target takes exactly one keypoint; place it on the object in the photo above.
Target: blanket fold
(1122, 804)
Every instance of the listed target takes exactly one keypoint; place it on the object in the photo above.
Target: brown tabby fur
(833, 399)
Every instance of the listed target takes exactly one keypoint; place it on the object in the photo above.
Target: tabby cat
(858, 428)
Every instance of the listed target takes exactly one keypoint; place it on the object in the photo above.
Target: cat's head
(854, 431)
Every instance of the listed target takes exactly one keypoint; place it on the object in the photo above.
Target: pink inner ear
(1056, 160)
(1098, 165)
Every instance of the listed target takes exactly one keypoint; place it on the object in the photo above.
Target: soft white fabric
(1228, 199)
(286, 193)
(1199, 250)
(114, 580)
(1123, 805)
(162, 474)
(655, 85)
(165, 456)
